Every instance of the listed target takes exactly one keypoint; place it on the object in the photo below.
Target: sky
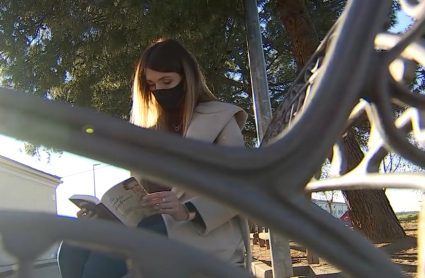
(77, 172)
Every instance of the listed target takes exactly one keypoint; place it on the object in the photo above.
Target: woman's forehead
(154, 76)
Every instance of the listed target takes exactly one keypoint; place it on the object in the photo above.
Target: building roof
(5, 160)
(324, 201)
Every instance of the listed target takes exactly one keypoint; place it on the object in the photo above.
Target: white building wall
(338, 209)
(21, 193)
(26, 189)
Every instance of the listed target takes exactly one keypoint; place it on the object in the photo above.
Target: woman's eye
(167, 82)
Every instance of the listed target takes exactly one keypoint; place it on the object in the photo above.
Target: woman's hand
(85, 213)
(166, 202)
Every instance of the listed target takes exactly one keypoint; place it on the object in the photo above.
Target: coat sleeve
(212, 214)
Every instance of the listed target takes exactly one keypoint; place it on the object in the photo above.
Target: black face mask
(170, 99)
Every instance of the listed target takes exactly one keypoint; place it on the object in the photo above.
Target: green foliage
(39, 152)
(408, 217)
(83, 52)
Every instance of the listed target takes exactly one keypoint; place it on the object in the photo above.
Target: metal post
(279, 245)
(257, 64)
(94, 179)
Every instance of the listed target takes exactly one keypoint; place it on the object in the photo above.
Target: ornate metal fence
(271, 179)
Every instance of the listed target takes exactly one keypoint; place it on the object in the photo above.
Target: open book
(122, 202)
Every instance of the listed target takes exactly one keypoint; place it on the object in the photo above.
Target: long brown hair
(167, 56)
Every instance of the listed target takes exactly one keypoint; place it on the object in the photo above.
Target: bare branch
(398, 164)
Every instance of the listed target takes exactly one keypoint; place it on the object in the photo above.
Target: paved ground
(51, 271)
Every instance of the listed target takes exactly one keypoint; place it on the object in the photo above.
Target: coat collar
(222, 110)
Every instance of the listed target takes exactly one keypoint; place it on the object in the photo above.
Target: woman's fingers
(81, 212)
(170, 205)
(164, 202)
(85, 213)
(160, 194)
(157, 202)
(159, 198)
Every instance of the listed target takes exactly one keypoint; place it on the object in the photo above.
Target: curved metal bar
(392, 135)
(356, 115)
(345, 50)
(408, 121)
(222, 173)
(411, 35)
(302, 78)
(76, 119)
(355, 180)
(412, 8)
(415, 52)
(383, 114)
(281, 214)
(284, 215)
(361, 177)
(402, 94)
(276, 158)
(338, 160)
(29, 233)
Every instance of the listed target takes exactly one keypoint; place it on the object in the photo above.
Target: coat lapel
(208, 120)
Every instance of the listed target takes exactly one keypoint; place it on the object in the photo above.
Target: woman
(169, 93)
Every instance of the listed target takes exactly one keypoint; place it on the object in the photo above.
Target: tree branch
(280, 84)
(273, 60)
(235, 83)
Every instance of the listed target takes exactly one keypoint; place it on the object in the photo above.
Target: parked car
(346, 219)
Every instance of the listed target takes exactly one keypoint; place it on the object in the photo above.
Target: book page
(124, 200)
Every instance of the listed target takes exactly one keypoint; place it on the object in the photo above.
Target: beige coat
(226, 234)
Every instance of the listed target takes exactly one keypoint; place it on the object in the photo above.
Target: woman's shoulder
(223, 108)
(215, 106)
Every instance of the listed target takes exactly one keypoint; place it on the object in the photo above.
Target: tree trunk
(371, 211)
(299, 29)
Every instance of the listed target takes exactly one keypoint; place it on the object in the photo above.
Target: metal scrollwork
(271, 180)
